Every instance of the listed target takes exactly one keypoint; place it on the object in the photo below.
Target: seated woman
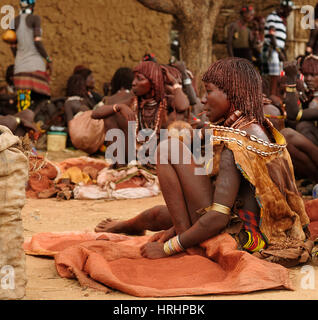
(121, 84)
(252, 176)
(76, 97)
(149, 107)
(307, 114)
(303, 152)
(93, 97)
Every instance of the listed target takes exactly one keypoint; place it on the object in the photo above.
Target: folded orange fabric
(114, 261)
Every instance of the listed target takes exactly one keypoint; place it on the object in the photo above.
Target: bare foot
(114, 226)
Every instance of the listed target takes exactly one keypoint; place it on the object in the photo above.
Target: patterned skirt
(37, 81)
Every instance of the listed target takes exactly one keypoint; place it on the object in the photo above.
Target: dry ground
(54, 216)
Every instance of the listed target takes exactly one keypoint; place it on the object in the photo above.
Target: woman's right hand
(126, 112)
(163, 236)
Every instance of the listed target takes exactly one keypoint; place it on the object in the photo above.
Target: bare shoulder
(314, 103)
(272, 110)
(256, 130)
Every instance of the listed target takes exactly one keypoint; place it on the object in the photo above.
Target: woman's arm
(230, 40)
(213, 222)
(10, 122)
(36, 25)
(106, 111)
(187, 83)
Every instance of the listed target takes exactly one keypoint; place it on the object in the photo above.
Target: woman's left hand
(153, 250)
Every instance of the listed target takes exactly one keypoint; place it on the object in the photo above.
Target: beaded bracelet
(187, 81)
(115, 108)
(299, 115)
(177, 86)
(221, 208)
(173, 246)
(290, 89)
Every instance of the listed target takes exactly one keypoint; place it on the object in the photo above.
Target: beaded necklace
(158, 117)
(277, 148)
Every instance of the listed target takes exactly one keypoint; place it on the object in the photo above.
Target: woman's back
(28, 58)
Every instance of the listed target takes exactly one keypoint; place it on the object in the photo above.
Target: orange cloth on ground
(312, 211)
(114, 261)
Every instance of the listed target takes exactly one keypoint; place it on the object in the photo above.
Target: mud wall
(107, 34)
(101, 34)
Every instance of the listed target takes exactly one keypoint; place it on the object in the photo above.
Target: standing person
(33, 66)
(273, 54)
(312, 45)
(239, 42)
(258, 39)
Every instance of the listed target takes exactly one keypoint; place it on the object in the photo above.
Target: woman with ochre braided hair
(149, 107)
(251, 177)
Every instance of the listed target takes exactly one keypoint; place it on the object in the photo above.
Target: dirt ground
(58, 216)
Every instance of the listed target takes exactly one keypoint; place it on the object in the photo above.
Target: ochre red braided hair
(242, 84)
(152, 71)
(310, 65)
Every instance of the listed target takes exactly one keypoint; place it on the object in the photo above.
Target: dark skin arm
(108, 110)
(213, 222)
(178, 98)
(36, 24)
(291, 101)
(188, 88)
(13, 47)
(312, 39)
(230, 40)
(9, 122)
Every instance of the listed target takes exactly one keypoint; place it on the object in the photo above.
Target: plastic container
(315, 192)
(56, 141)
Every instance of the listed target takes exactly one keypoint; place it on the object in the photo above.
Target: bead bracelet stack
(173, 246)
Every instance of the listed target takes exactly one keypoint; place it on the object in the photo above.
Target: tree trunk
(196, 47)
(196, 21)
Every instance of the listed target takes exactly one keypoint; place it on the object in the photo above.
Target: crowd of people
(265, 129)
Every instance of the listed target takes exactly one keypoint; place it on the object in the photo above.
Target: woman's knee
(173, 151)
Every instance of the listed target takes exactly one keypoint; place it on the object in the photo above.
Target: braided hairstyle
(242, 84)
(122, 78)
(153, 72)
(309, 64)
(76, 86)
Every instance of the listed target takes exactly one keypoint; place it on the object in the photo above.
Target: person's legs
(24, 99)
(153, 219)
(274, 85)
(303, 152)
(184, 191)
(309, 130)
